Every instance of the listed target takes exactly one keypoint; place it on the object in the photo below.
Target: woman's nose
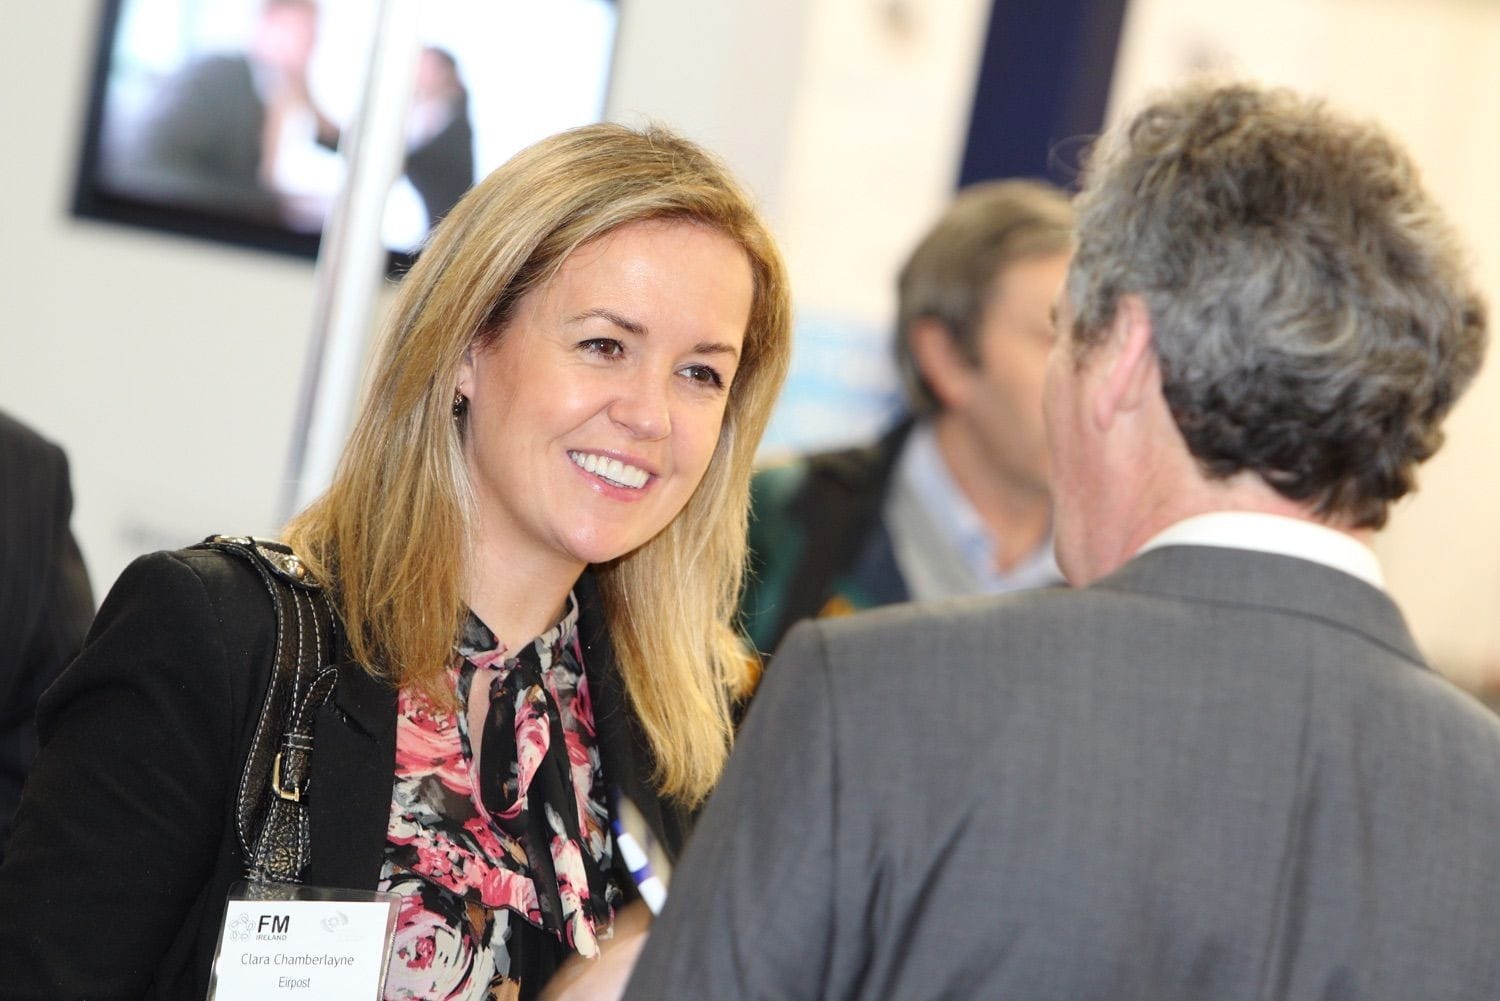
(642, 409)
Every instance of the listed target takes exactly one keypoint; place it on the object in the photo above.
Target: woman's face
(593, 415)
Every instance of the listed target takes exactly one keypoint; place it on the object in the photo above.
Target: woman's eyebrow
(715, 348)
(623, 322)
(630, 326)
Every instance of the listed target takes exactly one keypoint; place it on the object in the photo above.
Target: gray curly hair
(1310, 307)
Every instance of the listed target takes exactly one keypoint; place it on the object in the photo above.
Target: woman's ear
(466, 375)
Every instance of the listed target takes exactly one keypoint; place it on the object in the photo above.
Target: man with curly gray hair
(1219, 767)
(1302, 301)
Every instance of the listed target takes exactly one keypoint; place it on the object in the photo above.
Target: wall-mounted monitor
(221, 118)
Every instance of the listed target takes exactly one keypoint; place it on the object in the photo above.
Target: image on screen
(223, 118)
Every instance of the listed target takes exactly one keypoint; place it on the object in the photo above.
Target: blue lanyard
(632, 836)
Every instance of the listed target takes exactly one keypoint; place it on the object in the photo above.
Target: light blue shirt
(942, 546)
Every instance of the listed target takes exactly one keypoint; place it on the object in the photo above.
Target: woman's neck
(516, 598)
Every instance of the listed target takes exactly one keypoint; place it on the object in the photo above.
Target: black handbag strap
(271, 818)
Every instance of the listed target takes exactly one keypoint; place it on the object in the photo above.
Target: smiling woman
(594, 411)
(535, 541)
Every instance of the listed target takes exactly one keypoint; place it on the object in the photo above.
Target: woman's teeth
(613, 470)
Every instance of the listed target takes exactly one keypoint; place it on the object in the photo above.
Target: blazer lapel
(354, 767)
(627, 760)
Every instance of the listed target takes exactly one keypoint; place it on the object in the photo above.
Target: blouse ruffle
(499, 817)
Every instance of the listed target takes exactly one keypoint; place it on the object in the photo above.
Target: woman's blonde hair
(391, 535)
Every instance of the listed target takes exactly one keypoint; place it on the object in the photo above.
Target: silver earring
(460, 404)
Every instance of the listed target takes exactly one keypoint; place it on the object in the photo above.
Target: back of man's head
(951, 273)
(1309, 306)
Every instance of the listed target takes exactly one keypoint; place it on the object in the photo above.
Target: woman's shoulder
(196, 574)
(192, 628)
(197, 594)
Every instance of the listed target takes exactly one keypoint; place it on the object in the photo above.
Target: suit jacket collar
(1215, 575)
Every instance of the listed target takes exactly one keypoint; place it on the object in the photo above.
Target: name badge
(282, 940)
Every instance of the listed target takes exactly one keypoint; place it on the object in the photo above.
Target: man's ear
(943, 366)
(1130, 372)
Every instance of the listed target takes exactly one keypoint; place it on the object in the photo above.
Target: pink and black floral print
(499, 830)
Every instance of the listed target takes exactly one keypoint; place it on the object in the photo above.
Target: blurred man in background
(954, 500)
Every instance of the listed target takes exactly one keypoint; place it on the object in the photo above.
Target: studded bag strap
(271, 818)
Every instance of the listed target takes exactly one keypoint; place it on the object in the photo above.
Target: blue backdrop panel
(1043, 82)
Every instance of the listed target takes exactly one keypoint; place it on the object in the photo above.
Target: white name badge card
(298, 942)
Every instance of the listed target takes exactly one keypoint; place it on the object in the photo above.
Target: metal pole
(351, 257)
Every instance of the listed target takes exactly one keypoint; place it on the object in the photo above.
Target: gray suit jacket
(1216, 774)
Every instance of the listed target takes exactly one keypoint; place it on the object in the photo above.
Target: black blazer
(125, 845)
(45, 601)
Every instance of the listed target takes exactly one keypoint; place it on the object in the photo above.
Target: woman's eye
(606, 346)
(705, 375)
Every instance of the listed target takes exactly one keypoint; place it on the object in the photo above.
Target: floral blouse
(499, 832)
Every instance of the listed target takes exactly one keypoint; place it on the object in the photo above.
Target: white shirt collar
(1273, 533)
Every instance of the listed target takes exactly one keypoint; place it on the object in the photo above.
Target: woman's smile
(612, 471)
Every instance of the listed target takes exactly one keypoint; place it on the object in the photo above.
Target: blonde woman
(534, 540)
